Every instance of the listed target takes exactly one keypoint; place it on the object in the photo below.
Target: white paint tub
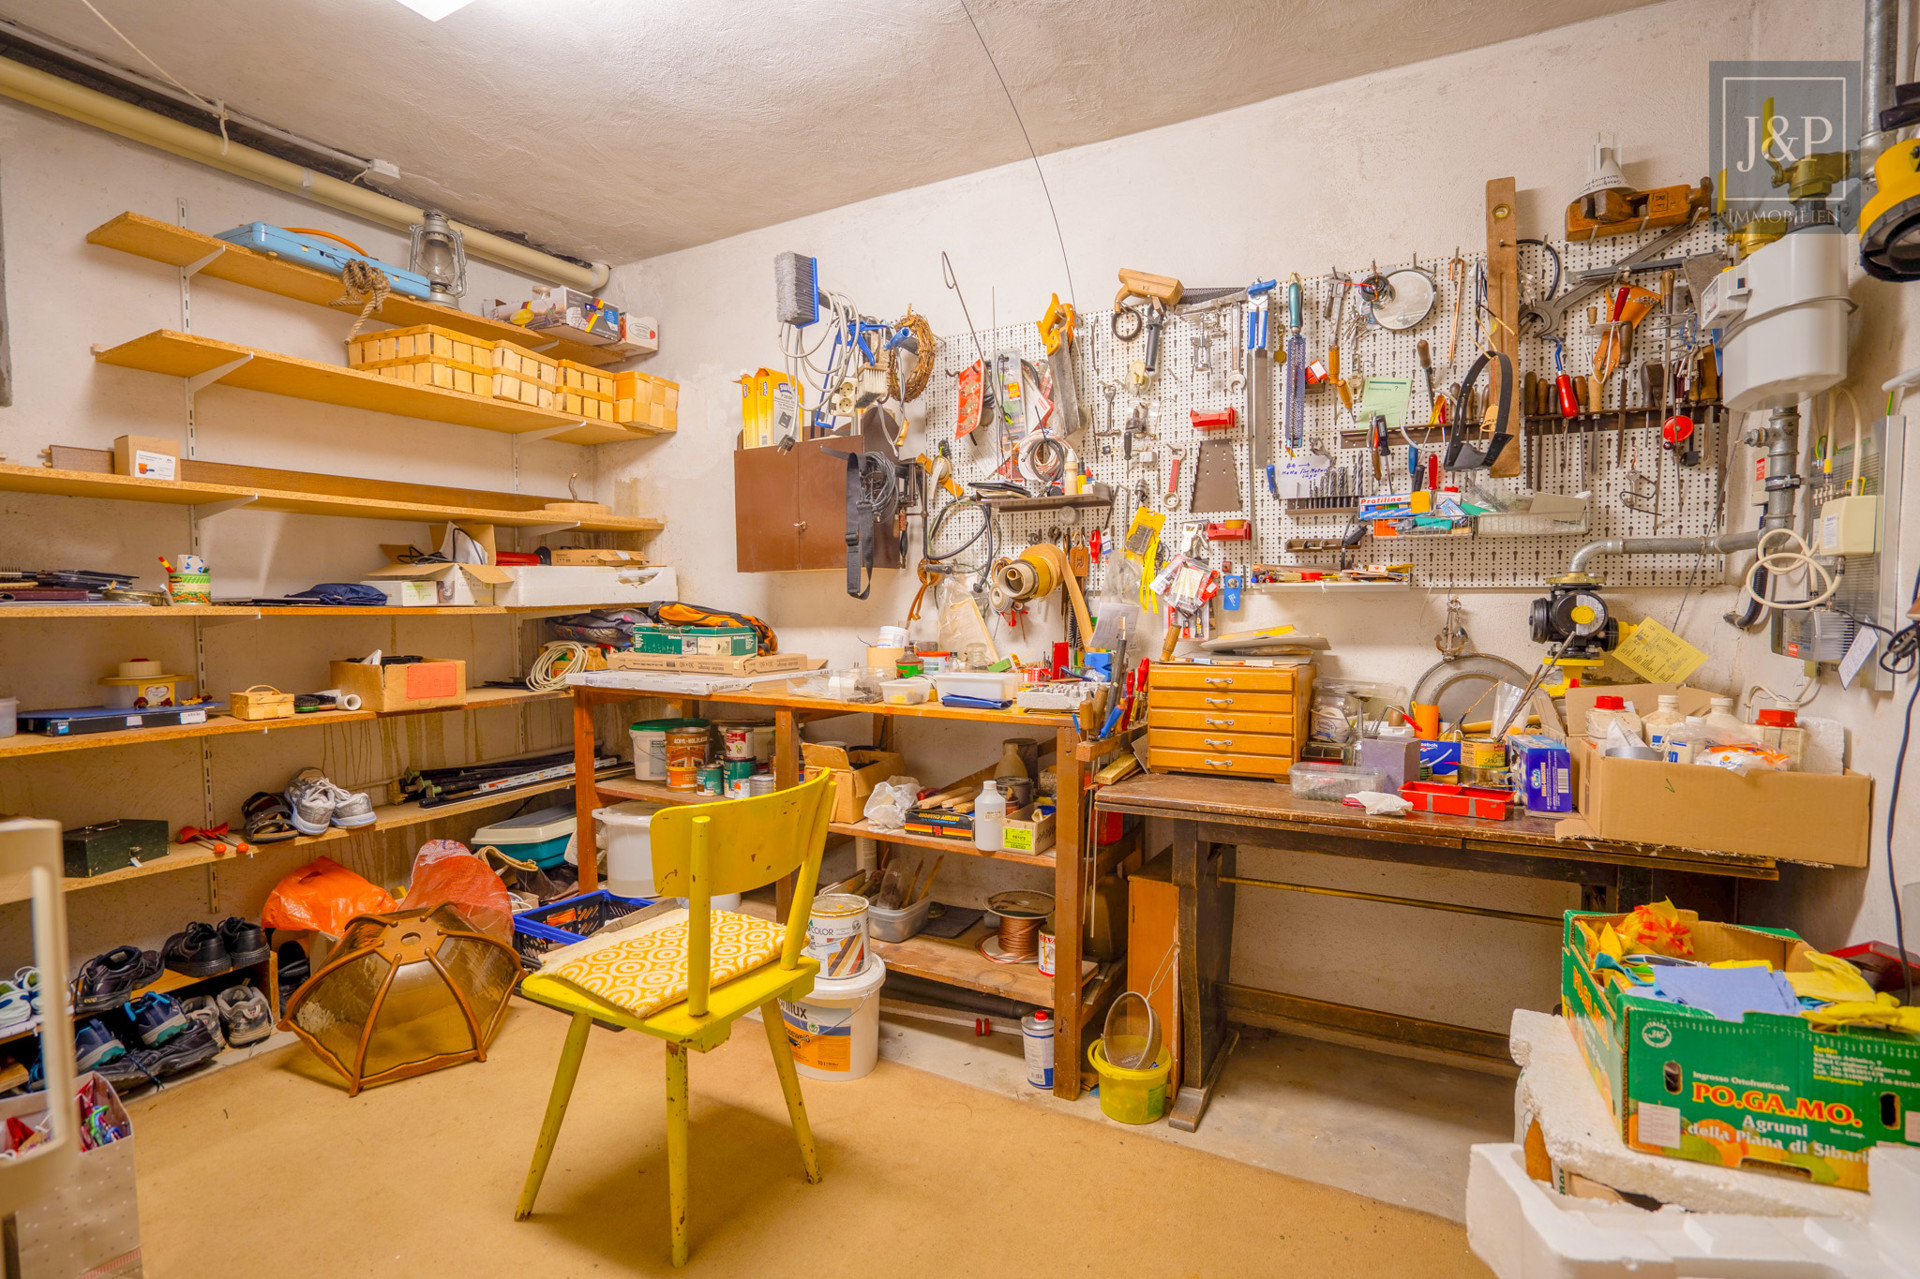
(624, 832)
(835, 1030)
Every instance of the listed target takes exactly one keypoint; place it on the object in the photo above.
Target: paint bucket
(687, 747)
(711, 779)
(1131, 1096)
(1036, 1040)
(624, 832)
(837, 934)
(736, 739)
(649, 738)
(835, 1031)
(760, 784)
(739, 789)
(682, 778)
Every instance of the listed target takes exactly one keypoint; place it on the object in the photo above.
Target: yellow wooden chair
(699, 852)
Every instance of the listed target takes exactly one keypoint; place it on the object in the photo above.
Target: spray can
(1036, 1036)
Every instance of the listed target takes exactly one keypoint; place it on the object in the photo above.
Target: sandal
(268, 817)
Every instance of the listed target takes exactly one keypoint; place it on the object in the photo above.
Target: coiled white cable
(1796, 558)
(555, 661)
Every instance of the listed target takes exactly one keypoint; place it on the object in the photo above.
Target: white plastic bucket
(624, 832)
(835, 1031)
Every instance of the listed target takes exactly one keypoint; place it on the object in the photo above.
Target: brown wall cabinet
(790, 510)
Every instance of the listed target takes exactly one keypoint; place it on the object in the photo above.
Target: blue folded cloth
(974, 703)
(1727, 993)
(341, 594)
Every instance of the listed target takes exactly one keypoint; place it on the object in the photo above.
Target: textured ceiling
(618, 129)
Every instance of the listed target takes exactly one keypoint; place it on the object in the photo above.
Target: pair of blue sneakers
(156, 1019)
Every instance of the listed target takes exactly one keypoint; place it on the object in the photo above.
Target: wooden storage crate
(524, 376)
(420, 342)
(641, 400)
(262, 701)
(586, 379)
(583, 404)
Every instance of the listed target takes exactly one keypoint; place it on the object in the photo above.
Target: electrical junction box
(1812, 635)
(1849, 526)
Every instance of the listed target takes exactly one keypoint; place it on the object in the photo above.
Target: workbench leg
(585, 797)
(786, 774)
(1206, 953)
(1633, 887)
(1069, 912)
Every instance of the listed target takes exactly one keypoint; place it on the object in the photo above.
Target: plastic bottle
(1731, 727)
(1663, 721)
(989, 818)
(1608, 710)
(1682, 742)
(1781, 730)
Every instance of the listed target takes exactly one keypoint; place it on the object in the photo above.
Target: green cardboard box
(1767, 1091)
(697, 641)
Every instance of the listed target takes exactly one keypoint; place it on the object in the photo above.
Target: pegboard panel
(1201, 353)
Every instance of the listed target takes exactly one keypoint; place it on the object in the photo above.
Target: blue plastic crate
(571, 919)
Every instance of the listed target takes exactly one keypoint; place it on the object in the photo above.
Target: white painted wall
(1379, 168)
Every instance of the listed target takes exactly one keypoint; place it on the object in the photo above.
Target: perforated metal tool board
(1507, 551)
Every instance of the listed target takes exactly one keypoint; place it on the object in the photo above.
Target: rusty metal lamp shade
(405, 993)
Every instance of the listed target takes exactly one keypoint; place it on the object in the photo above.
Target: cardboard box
(146, 457)
(765, 664)
(579, 556)
(438, 681)
(1825, 818)
(555, 308)
(1028, 830)
(697, 641)
(1764, 1091)
(856, 772)
(89, 1222)
(584, 586)
(1544, 768)
(439, 585)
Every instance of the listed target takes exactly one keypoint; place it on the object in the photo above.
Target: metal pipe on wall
(1879, 69)
(75, 102)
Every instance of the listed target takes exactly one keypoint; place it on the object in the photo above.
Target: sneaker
(351, 808)
(247, 1017)
(108, 980)
(28, 979)
(16, 1008)
(184, 1051)
(94, 1045)
(157, 1018)
(246, 942)
(130, 1071)
(205, 1012)
(312, 798)
(197, 951)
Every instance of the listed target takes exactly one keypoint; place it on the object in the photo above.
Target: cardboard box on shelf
(438, 585)
(1028, 830)
(698, 641)
(574, 556)
(1821, 818)
(762, 664)
(419, 342)
(563, 311)
(146, 457)
(437, 681)
(856, 771)
(1766, 1090)
(584, 586)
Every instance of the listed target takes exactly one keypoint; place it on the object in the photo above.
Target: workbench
(1210, 816)
(1078, 992)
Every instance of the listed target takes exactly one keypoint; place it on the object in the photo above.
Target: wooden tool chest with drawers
(1245, 721)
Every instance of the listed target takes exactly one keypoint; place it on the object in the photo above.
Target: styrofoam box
(584, 586)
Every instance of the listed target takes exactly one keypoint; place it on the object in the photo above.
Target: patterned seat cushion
(644, 974)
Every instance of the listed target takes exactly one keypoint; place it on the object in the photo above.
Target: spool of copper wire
(1022, 915)
(1020, 938)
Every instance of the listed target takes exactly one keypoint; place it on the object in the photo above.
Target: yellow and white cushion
(644, 974)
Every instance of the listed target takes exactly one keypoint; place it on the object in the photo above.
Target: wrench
(1540, 319)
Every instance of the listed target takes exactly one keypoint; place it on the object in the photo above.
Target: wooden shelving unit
(187, 355)
(867, 830)
(256, 612)
(24, 744)
(127, 488)
(159, 241)
(959, 963)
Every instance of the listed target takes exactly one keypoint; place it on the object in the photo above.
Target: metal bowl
(1633, 752)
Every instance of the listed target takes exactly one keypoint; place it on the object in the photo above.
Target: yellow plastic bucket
(1131, 1096)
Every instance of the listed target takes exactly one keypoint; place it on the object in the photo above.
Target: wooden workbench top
(1233, 800)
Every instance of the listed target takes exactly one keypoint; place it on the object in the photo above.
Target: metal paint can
(687, 747)
(736, 739)
(1047, 954)
(712, 778)
(679, 778)
(737, 770)
(1483, 752)
(837, 934)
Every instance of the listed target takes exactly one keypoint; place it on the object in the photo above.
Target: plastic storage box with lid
(540, 836)
(992, 686)
(1316, 779)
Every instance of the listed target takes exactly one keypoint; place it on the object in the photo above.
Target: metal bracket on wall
(208, 510)
(541, 530)
(551, 431)
(198, 265)
(201, 381)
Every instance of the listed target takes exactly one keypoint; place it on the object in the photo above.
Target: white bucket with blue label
(835, 1030)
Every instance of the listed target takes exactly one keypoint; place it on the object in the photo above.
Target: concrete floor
(1378, 1125)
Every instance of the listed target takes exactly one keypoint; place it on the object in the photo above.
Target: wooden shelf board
(759, 695)
(127, 488)
(866, 830)
(630, 787)
(398, 816)
(22, 744)
(176, 246)
(187, 355)
(256, 612)
(960, 963)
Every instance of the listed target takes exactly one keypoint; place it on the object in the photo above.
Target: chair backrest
(700, 850)
(31, 848)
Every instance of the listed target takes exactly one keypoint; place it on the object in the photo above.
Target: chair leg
(677, 1149)
(790, 1085)
(563, 1078)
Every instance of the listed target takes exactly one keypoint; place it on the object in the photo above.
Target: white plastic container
(1608, 710)
(1721, 719)
(898, 925)
(835, 1031)
(906, 692)
(989, 818)
(1683, 742)
(540, 836)
(1782, 316)
(1663, 721)
(992, 686)
(9, 716)
(1036, 1039)
(623, 832)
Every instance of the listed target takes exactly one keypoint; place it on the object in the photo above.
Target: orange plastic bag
(321, 897)
(445, 872)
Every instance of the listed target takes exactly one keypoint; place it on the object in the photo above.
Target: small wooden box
(522, 390)
(421, 342)
(517, 360)
(446, 375)
(575, 376)
(593, 408)
(262, 701)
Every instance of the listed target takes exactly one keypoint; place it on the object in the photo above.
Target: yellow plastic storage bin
(1131, 1096)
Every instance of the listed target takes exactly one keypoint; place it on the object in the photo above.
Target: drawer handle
(1218, 723)
(1219, 681)
(1224, 743)
(1218, 763)
(1219, 701)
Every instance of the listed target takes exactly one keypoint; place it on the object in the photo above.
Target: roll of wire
(1020, 938)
